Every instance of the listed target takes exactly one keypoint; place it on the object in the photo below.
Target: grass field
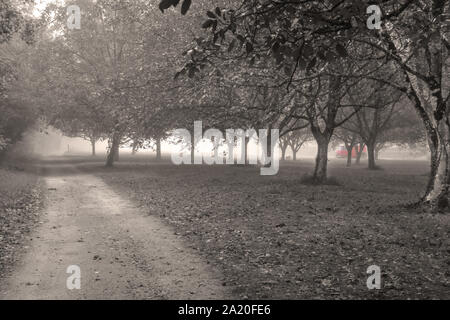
(274, 237)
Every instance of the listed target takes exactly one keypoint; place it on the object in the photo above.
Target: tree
(120, 65)
(17, 115)
(413, 40)
(297, 67)
(371, 124)
(13, 22)
(350, 140)
(296, 139)
(80, 120)
(96, 67)
(284, 144)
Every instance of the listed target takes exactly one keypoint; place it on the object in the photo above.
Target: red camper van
(341, 152)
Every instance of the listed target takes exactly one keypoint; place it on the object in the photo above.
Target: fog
(51, 142)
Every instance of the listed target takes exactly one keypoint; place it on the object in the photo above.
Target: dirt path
(122, 252)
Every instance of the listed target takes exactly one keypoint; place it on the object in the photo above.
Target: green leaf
(211, 14)
(165, 4)
(185, 6)
(199, 40)
(208, 23)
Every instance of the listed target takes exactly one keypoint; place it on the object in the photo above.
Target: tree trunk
(113, 154)
(192, 148)
(116, 153)
(93, 141)
(349, 158)
(294, 154)
(269, 152)
(371, 156)
(349, 154)
(320, 171)
(158, 149)
(283, 153)
(247, 140)
(428, 95)
(438, 184)
(378, 149)
(134, 147)
(359, 153)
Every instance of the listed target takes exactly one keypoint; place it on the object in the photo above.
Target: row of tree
(335, 68)
(15, 115)
(310, 68)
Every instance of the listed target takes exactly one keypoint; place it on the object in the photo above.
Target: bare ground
(274, 237)
(122, 253)
(153, 230)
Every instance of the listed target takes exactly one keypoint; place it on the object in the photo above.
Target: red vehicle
(342, 152)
